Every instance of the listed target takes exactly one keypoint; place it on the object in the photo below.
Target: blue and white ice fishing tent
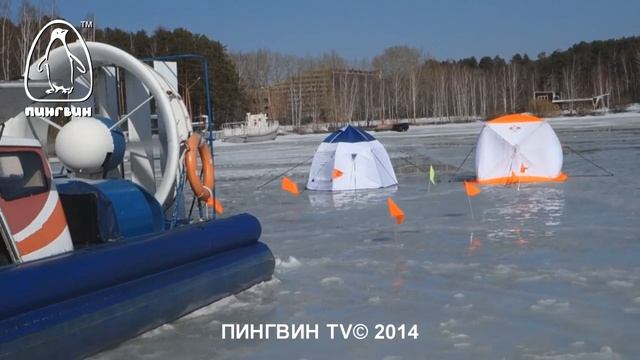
(350, 159)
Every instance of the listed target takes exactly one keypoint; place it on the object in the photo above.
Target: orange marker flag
(474, 244)
(395, 211)
(336, 173)
(217, 205)
(523, 168)
(290, 186)
(472, 189)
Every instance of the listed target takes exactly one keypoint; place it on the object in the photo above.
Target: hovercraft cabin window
(21, 175)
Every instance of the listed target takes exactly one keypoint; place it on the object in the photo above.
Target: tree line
(413, 85)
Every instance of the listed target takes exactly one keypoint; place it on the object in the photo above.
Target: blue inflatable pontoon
(126, 275)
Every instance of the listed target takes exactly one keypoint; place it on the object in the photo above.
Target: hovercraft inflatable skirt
(77, 304)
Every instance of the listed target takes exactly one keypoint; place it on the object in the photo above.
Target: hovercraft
(105, 251)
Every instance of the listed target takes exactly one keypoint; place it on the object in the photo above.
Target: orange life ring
(202, 189)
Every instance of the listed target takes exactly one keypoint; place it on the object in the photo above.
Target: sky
(359, 29)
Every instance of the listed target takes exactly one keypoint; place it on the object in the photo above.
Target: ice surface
(544, 272)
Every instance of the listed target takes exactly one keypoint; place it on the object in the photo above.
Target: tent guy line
(608, 173)
(462, 163)
(283, 173)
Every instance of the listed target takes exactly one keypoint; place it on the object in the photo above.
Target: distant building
(546, 95)
(319, 96)
(259, 101)
(577, 104)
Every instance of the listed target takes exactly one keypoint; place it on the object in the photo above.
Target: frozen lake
(544, 272)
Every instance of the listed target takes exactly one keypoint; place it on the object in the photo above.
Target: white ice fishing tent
(518, 148)
(350, 159)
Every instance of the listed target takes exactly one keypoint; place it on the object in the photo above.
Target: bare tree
(396, 65)
(5, 38)
(28, 27)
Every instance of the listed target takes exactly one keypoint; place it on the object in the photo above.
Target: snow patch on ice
(392, 357)
(157, 331)
(571, 277)
(450, 307)
(211, 309)
(259, 297)
(448, 268)
(374, 300)
(550, 305)
(459, 337)
(605, 353)
(449, 323)
(365, 263)
(459, 340)
(332, 281)
(533, 278)
(632, 310)
(620, 284)
(290, 263)
(459, 296)
(504, 270)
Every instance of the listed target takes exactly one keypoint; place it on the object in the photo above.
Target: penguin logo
(65, 68)
(60, 35)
